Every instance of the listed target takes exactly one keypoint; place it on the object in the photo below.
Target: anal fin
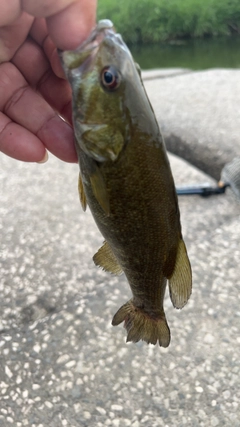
(180, 282)
(106, 259)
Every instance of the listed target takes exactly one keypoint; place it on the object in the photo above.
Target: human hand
(33, 90)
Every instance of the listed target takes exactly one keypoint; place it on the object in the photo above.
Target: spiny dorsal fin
(138, 68)
(106, 259)
(180, 283)
(100, 190)
(82, 194)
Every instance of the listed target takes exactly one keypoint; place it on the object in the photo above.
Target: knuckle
(15, 98)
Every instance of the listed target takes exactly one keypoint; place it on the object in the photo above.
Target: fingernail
(45, 158)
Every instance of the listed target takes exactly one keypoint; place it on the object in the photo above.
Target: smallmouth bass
(126, 180)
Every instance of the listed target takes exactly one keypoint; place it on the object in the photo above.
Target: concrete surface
(159, 73)
(61, 361)
(199, 114)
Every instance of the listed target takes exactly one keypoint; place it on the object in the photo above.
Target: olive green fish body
(127, 183)
(143, 227)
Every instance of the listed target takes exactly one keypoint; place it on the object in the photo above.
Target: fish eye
(110, 78)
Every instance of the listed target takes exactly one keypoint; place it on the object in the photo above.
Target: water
(193, 54)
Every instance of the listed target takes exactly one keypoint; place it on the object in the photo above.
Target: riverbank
(154, 21)
(197, 54)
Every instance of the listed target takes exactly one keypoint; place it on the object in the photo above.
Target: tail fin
(141, 326)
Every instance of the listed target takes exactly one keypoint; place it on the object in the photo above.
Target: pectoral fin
(106, 259)
(81, 192)
(102, 142)
(99, 189)
(180, 282)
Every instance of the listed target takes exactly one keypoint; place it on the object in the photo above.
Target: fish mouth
(103, 28)
(73, 59)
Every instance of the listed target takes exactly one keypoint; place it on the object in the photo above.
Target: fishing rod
(230, 177)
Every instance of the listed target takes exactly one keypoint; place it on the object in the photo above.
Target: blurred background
(196, 34)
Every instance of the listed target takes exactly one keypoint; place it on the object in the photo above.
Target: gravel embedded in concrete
(62, 363)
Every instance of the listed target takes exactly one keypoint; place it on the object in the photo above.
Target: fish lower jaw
(140, 325)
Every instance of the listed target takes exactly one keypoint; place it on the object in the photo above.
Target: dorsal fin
(180, 282)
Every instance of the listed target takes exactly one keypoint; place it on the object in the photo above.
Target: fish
(126, 180)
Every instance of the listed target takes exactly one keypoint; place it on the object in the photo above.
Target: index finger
(77, 20)
(69, 22)
(10, 11)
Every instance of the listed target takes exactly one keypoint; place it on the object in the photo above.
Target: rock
(199, 114)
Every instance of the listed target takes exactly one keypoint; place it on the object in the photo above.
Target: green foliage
(149, 21)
